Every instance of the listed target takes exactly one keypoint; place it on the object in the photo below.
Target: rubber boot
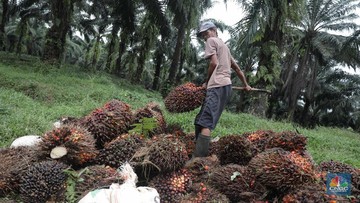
(202, 146)
(197, 131)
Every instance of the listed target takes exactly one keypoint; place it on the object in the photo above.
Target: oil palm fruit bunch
(304, 161)
(167, 154)
(236, 182)
(187, 138)
(184, 98)
(109, 121)
(306, 193)
(172, 186)
(276, 170)
(201, 167)
(259, 138)
(213, 148)
(120, 150)
(152, 110)
(234, 149)
(202, 193)
(95, 177)
(13, 162)
(288, 140)
(338, 167)
(43, 181)
(71, 144)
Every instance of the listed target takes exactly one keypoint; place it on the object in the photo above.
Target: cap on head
(205, 26)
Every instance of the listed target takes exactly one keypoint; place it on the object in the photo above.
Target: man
(218, 86)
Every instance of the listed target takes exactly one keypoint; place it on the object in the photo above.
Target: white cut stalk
(58, 152)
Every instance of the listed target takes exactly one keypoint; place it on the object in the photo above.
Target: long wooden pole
(252, 89)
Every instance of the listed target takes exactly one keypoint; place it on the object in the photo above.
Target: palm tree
(148, 33)
(186, 17)
(124, 15)
(338, 102)
(246, 57)
(4, 19)
(316, 48)
(266, 23)
(55, 38)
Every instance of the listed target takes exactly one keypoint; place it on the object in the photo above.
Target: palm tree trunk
(55, 38)
(22, 34)
(96, 53)
(158, 60)
(137, 76)
(111, 49)
(176, 56)
(309, 98)
(122, 47)
(297, 85)
(4, 17)
(179, 72)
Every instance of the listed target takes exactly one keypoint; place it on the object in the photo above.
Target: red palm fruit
(79, 144)
(236, 182)
(14, 161)
(234, 149)
(259, 138)
(120, 150)
(275, 169)
(96, 176)
(151, 110)
(43, 181)
(172, 185)
(288, 140)
(109, 121)
(184, 98)
(202, 193)
(201, 167)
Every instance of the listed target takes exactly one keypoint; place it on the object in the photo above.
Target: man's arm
(240, 74)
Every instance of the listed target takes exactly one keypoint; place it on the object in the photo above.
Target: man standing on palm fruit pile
(218, 86)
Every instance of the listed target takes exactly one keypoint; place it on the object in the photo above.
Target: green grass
(34, 95)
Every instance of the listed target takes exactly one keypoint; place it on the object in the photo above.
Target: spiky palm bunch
(109, 121)
(187, 138)
(234, 149)
(307, 193)
(184, 98)
(276, 170)
(120, 150)
(152, 110)
(96, 176)
(43, 181)
(304, 161)
(168, 154)
(172, 186)
(288, 140)
(259, 138)
(79, 143)
(201, 167)
(236, 182)
(14, 161)
(201, 192)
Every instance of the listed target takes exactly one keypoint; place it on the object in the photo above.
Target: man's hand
(204, 85)
(247, 88)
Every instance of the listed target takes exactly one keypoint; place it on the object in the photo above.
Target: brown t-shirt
(222, 73)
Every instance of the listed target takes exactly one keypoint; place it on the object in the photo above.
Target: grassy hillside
(34, 95)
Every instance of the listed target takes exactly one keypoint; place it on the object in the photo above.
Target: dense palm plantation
(288, 47)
